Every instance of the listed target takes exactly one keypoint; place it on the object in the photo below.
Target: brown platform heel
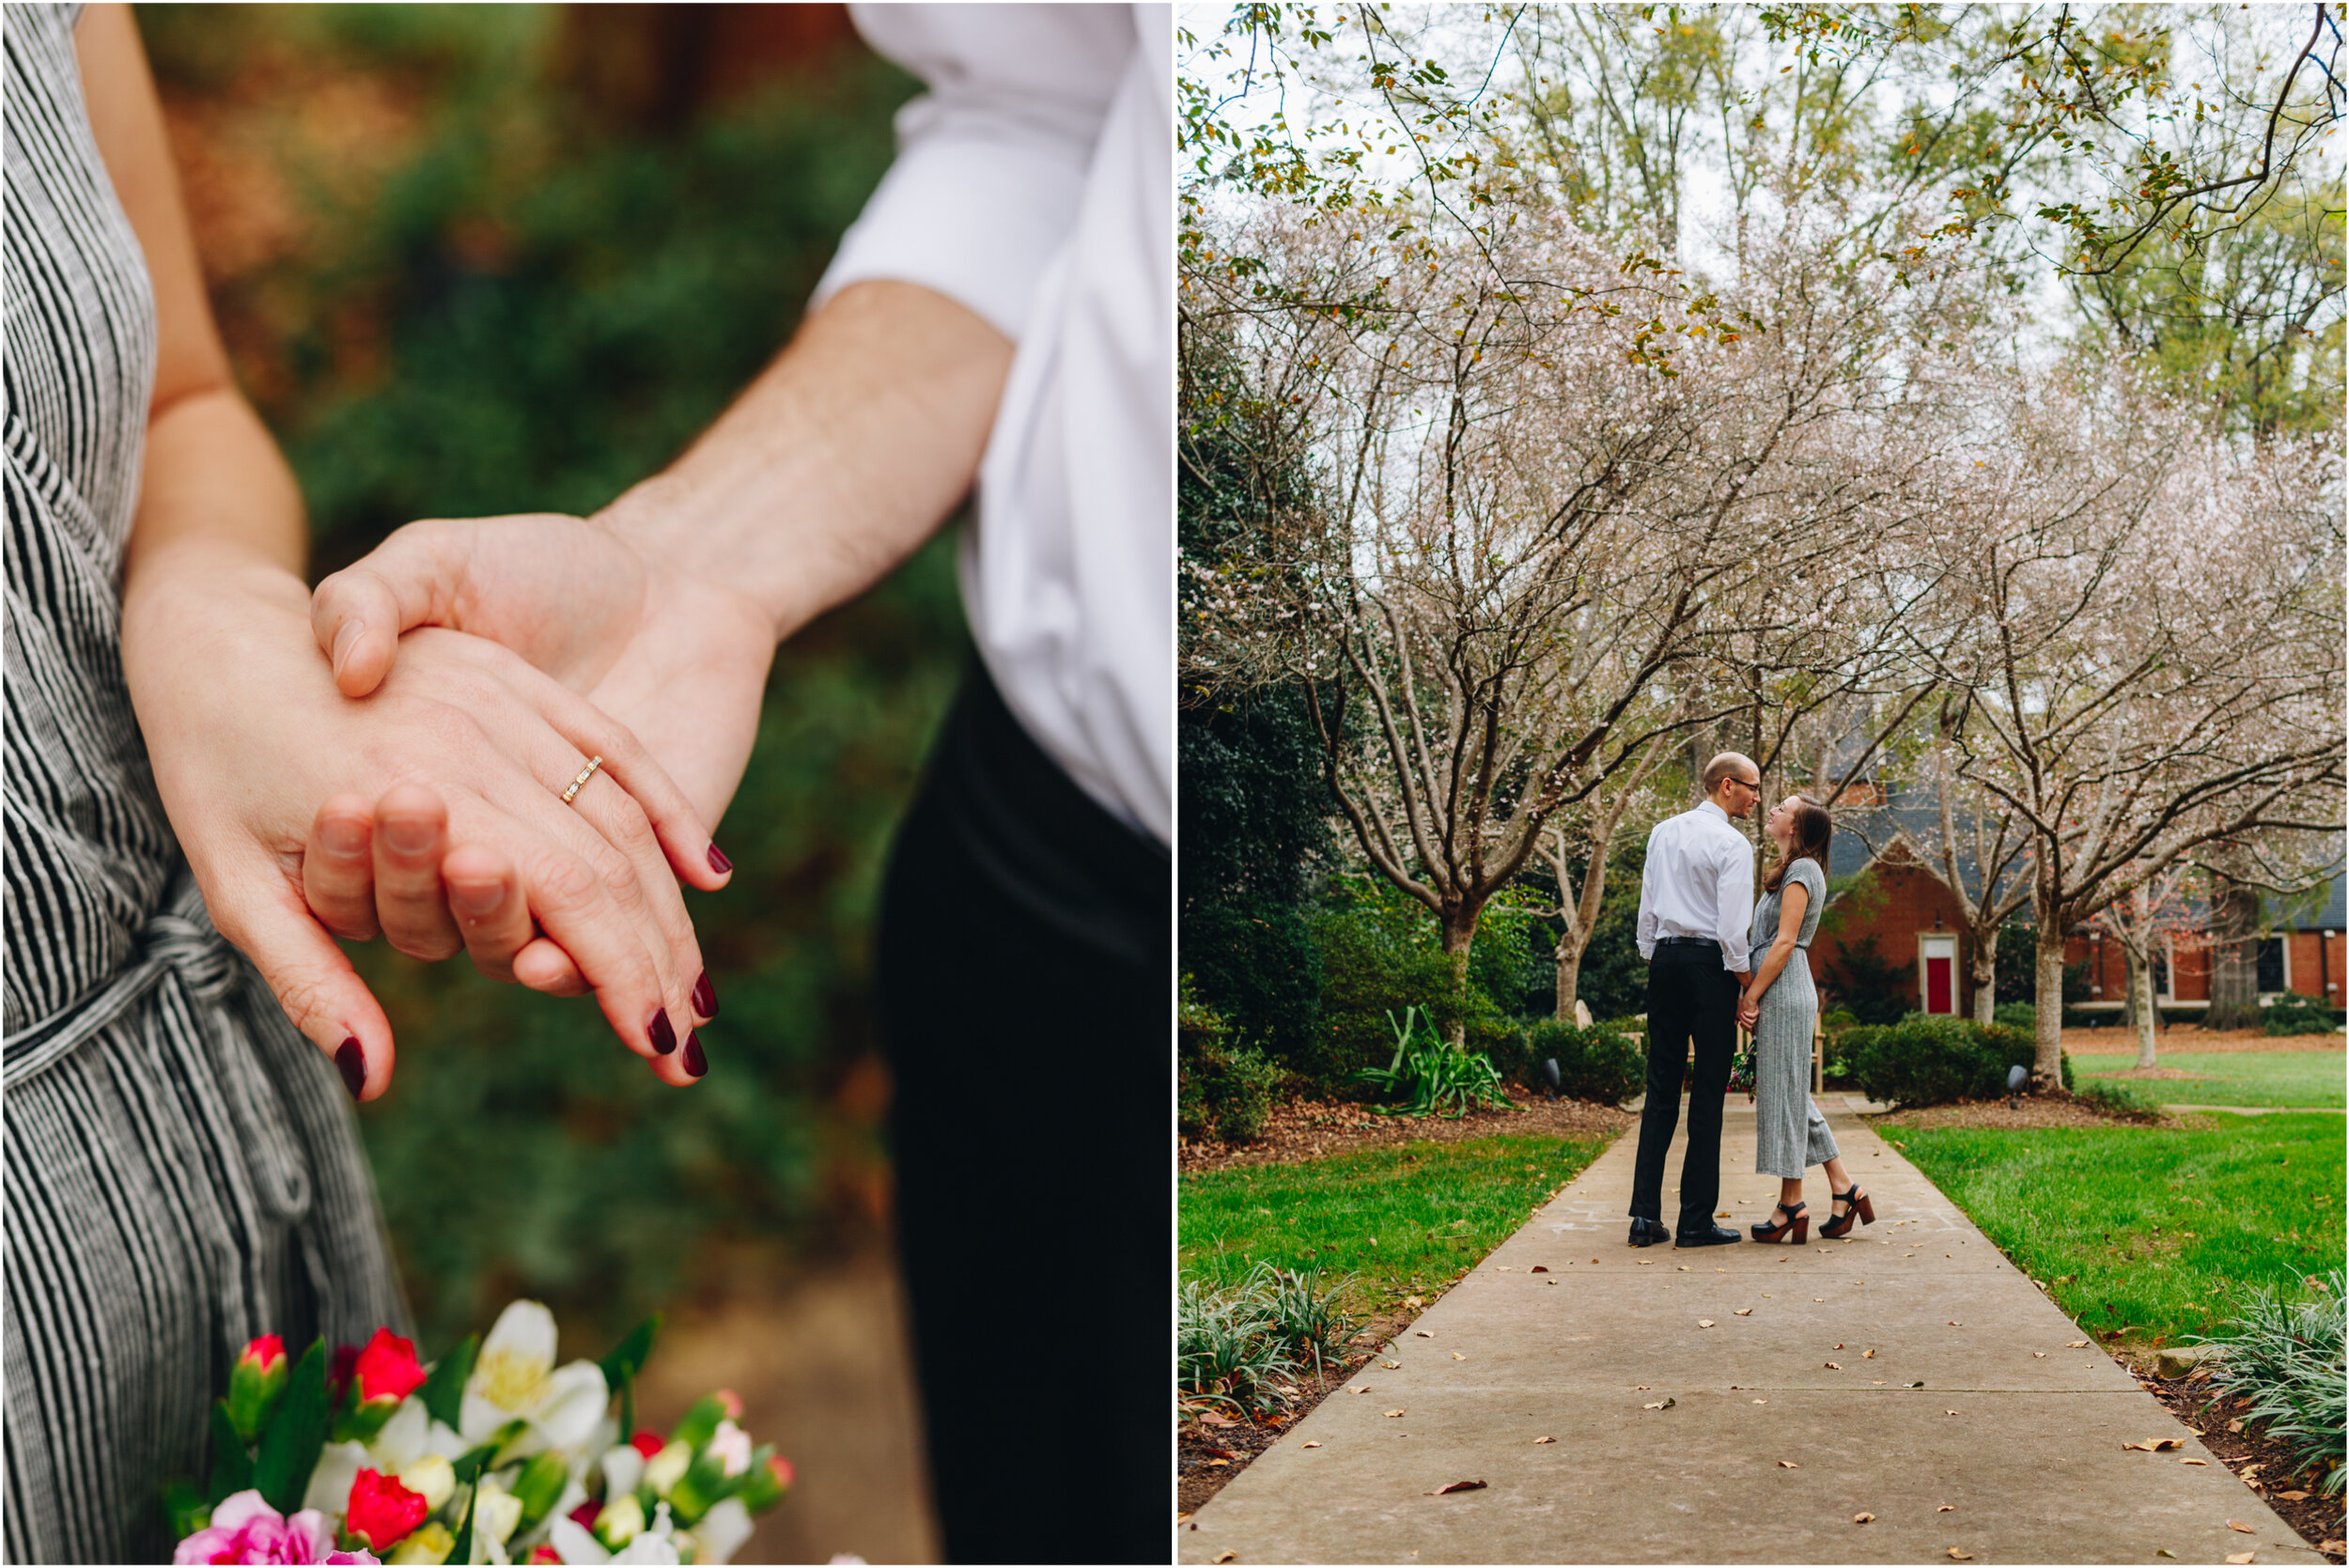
(1796, 1221)
(1836, 1225)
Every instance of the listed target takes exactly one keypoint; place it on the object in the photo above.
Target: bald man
(1696, 900)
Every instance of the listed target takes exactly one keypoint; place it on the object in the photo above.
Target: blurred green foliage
(523, 308)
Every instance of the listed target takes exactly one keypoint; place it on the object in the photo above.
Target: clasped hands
(388, 757)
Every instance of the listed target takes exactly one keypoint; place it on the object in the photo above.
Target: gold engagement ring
(585, 774)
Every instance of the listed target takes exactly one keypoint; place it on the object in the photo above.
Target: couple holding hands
(514, 737)
(1701, 930)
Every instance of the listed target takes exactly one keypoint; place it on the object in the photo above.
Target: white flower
(647, 1547)
(573, 1545)
(731, 1444)
(664, 1470)
(410, 1434)
(495, 1511)
(516, 1376)
(432, 1478)
(338, 1466)
(623, 1468)
(722, 1532)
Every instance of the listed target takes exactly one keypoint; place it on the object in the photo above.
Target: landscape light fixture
(2016, 1077)
(1550, 1076)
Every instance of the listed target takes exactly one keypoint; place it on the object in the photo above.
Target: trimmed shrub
(2118, 1100)
(1255, 963)
(2021, 1016)
(1236, 1083)
(1926, 1060)
(1595, 1063)
(2300, 1016)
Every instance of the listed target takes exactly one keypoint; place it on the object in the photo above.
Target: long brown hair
(1813, 831)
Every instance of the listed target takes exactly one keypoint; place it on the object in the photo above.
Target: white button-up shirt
(1034, 186)
(1699, 883)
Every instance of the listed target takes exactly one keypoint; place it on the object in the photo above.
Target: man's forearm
(838, 461)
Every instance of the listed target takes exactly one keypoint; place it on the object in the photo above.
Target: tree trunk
(2234, 990)
(1569, 958)
(2047, 1060)
(1984, 968)
(2141, 1004)
(1459, 931)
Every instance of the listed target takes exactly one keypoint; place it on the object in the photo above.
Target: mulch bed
(1309, 1129)
(2053, 1108)
(2186, 1037)
(2259, 1461)
(1212, 1446)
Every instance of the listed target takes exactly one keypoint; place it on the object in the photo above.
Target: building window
(2275, 975)
(2164, 976)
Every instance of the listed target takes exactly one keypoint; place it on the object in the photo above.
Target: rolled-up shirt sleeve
(1736, 895)
(991, 159)
(1648, 917)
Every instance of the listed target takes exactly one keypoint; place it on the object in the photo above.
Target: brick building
(1889, 899)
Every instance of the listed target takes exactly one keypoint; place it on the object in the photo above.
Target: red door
(1937, 986)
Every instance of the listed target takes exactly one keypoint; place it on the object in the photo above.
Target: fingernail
(354, 1062)
(695, 1063)
(345, 640)
(477, 898)
(718, 862)
(664, 1037)
(409, 836)
(704, 997)
(343, 836)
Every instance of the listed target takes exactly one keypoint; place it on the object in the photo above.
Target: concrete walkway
(2012, 1451)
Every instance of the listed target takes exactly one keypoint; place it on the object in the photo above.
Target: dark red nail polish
(695, 1063)
(354, 1062)
(664, 1037)
(718, 862)
(704, 997)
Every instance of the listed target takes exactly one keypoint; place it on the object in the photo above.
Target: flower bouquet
(492, 1454)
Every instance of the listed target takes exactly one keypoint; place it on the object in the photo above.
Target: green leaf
(463, 1551)
(185, 1510)
(232, 1466)
(620, 1367)
(444, 1392)
(290, 1450)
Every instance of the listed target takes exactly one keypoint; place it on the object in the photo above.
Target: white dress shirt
(1034, 184)
(1699, 883)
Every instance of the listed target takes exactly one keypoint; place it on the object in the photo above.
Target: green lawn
(1401, 1220)
(2148, 1229)
(2230, 1078)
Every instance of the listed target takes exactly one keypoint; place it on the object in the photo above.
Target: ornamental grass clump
(2284, 1358)
(1430, 1074)
(1228, 1350)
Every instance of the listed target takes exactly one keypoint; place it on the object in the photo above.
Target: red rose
(648, 1443)
(264, 1355)
(584, 1515)
(387, 1369)
(381, 1511)
(543, 1553)
(339, 1368)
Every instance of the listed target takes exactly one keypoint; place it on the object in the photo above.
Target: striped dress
(1789, 1133)
(183, 1168)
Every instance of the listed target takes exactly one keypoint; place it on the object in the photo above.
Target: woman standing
(1781, 1009)
(183, 1172)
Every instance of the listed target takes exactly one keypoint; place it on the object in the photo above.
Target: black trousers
(1689, 996)
(1025, 940)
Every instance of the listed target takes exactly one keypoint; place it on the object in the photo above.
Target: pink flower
(264, 1355)
(649, 1443)
(381, 1511)
(246, 1530)
(543, 1553)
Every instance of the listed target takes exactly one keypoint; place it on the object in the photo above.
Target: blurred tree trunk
(2235, 998)
(654, 68)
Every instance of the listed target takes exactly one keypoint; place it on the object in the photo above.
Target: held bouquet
(492, 1454)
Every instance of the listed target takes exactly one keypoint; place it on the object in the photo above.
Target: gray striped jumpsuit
(1789, 1134)
(183, 1169)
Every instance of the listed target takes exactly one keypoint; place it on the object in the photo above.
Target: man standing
(1696, 900)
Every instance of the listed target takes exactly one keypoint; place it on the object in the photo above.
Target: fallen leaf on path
(1457, 1357)
(2243, 1557)
(1423, 1333)
(1823, 1298)
(1394, 1412)
(2237, 1524)
(1864, 1518)
(1867, 1355)
(2164, 1551)
(1705, 1322)
(1788, 1465)
(1541, 1269)
(1745, 1312)
(1960, 1556)
(1364, 1389)
(2038, 1354)
(1313, 1445)
(1639, 1387)
(1459, 1486)
(1662, 1405)
(1644, 1263)
(1839, 1344)
(1211, 1418)
(1225, 1557)
(2155, 1444)
(1545, 1439)
(2076, 1344)
(1947, 1508)
(1955, 1324)
(2194, 1461)
(1878, 1382)
(1392, 1366)
(1948, 1412)
(1594, 1260)
(1761, 1401)
(1680, 1269)
(1504, 1268)
(1919, 1384)
(1833, 1367)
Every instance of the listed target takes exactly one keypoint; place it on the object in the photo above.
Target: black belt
(1688, 941)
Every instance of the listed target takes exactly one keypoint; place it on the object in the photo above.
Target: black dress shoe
(1714, 1235)
(1648, 1233)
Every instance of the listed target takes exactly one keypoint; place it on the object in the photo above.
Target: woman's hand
(248, 734)
(1747, 1011)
